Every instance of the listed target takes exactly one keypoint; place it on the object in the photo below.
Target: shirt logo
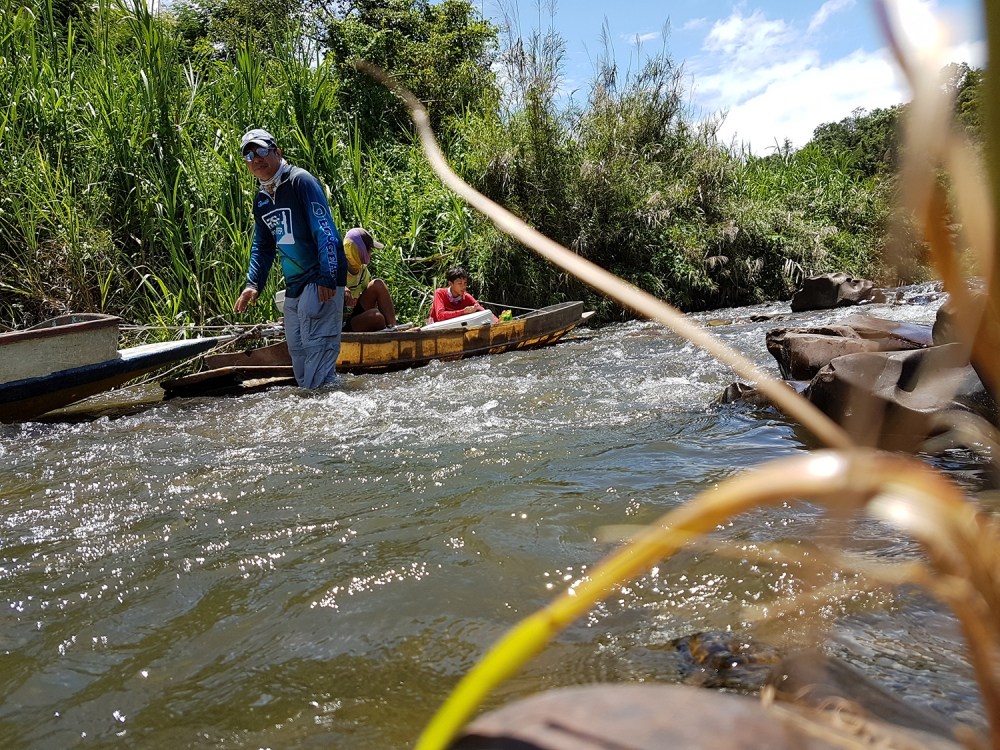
(279, 222)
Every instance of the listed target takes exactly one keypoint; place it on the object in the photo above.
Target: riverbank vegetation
(123, 190)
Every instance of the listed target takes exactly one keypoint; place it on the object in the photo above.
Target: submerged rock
(749, 394)
(724, 660)
(812, 679)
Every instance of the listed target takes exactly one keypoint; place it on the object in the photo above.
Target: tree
(218, 28)
(441, 51)
(967, 85)
(871, 139)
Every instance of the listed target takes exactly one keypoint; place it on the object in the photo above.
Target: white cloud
(638, 39)
(725, 86)
(748, 38)
(772, 81)
(829, 8)
(792, 106)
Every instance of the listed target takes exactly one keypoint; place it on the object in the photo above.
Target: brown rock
(801, 352)
(891, 399)
(897, 336)
(831, 290)
(659, 717)
(984, 331)
(745, 393)
(810, 678)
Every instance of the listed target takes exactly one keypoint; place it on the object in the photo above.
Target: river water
(293, 569)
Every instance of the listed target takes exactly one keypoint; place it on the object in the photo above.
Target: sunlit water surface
(293, 569)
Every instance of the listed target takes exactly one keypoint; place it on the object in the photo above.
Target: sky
(776, 68)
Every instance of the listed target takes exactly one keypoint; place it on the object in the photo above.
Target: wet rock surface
(834, 290)
(895, 400)
(813, 702)
(890, 385)
(724, 660)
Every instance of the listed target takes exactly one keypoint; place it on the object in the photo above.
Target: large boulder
(897, 336)
(832, 290)
(802, 352)
(893, 399)
(888, 383)
(987, 333)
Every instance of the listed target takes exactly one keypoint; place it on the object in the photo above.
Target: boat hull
(58, 344)
(384, 351)
(27, 398)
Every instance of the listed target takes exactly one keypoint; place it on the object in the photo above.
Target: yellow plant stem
(908, 495)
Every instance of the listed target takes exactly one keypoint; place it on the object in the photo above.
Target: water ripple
(318, 568)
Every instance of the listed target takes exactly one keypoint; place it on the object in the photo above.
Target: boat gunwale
(422, 332)
(53, 327)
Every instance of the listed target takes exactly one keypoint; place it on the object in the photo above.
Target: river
(293, 569)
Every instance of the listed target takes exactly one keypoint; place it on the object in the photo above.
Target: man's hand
(247, 298)
(325, 293)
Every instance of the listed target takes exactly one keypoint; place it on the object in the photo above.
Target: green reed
(143, 208)
(816, 210)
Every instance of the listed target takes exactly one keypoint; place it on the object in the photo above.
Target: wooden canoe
(382, 351)
(73, 357)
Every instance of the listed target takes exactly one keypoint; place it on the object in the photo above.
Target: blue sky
(778, 68)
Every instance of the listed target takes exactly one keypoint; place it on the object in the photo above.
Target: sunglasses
(261, 151)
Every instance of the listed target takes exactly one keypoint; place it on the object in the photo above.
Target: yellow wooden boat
(383, 351)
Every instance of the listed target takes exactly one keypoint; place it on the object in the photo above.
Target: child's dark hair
(456, 273)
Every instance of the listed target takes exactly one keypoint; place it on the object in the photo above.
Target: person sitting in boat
(454, 300)
(367, 302)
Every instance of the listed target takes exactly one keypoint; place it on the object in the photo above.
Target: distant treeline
(122, 189)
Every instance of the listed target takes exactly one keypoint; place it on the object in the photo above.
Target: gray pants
(312, 330)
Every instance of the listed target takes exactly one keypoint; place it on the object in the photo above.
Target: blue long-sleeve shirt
(296, 225)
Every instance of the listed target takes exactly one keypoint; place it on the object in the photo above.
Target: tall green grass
(811, 208)
(630, 180)
(122, 189)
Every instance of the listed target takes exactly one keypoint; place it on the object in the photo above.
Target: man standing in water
(292, 218)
